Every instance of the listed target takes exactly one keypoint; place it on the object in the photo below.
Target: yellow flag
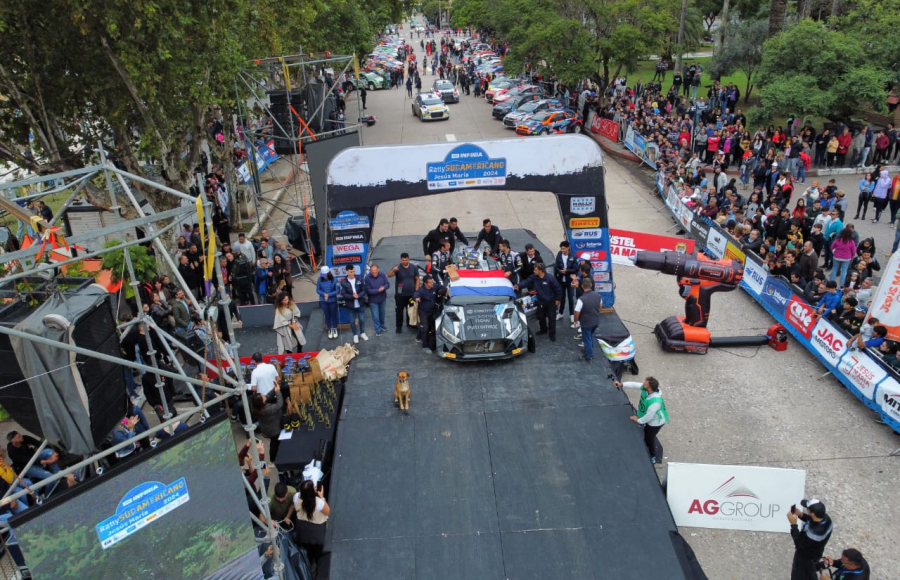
(210, 256)
(200, 220)
(356, 67)
(287, 74)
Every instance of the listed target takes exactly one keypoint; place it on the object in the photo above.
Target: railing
(863, 372)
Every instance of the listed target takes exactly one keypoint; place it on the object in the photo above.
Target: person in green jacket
(652, 413)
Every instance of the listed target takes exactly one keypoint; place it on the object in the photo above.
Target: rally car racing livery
(429, 107)
(482, 318)
(550, 121)
(511, 120)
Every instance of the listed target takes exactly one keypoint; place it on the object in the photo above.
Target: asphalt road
(744, 406)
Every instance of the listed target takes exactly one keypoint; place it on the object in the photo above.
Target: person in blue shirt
(878, 337)
(831, 302)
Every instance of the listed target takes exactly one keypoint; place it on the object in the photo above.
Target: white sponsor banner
(889, 398)
(755, 276)
(863, 372)
(583, 205)
(828, 341)
(344, 249)
(733, 497)
(716, 243)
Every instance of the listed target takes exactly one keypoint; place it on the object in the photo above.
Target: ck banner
(590, 240)
(348, 245)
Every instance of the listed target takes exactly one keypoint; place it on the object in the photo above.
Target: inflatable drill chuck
(687, 266)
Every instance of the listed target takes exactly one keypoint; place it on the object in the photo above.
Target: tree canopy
(811, 70)
(142, 76)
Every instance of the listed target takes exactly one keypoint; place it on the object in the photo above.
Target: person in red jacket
(712, 146)
(805, 162)
(844, 141)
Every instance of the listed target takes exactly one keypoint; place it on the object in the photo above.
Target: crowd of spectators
(802, 233)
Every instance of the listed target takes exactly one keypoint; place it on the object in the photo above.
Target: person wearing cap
(328, 289)
(809, 542)
(245, 247)
(651, 412)
(850, 566)
(21, 448)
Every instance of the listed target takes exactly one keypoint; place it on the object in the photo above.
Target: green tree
(710, 10)
(475, 13)
(144, 265)
(143, 77)
(741, 50)
(811, 70)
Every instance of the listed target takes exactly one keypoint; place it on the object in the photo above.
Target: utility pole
(680, 35)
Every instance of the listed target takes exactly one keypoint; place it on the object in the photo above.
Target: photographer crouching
(850, 566)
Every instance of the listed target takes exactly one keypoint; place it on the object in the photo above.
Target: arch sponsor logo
(800, 315)
(583, 205)
(345, 249)
(588, 234)
(583, 223)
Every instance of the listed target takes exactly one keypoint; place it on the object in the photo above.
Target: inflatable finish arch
(569, 166)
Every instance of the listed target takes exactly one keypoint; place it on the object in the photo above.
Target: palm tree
(776, 17)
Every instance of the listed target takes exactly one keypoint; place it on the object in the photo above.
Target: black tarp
(528, 468)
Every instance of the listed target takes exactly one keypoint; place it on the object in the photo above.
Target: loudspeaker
(104, 382)
(295, 232)
(284, 120)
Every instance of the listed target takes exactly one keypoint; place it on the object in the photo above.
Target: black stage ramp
(522, 469)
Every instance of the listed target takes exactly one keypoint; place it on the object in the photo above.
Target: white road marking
(451, 138)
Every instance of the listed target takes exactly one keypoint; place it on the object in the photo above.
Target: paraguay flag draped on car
(482, 283)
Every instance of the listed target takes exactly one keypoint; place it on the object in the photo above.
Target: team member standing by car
(407, 284)
(353, 293)
(489, 234)
(566, 268)
(549, 293)
(454, 233)
(426, 297)
(587, 314)
(439, 262)
(531, 257)
(510, 262)
(431, 243)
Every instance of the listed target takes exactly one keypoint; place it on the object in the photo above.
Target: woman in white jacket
(287, 327)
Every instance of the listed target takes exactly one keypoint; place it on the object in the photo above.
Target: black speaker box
(104, 382)
(295, 232)
(285, 120)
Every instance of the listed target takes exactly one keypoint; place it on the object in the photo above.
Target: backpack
(242, 270)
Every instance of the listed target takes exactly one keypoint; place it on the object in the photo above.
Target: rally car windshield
(540, 117)
(431, 101)
(466, 300)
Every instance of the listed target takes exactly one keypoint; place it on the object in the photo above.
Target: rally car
(503, 96)
(482, 318)
(530, 108)
(551, 121)
(429, 107)
(446, 90)
(500, 110)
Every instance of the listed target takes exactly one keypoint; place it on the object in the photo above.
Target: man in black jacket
(531, 257)
(454, 233)
(426, 297)
(566, 268)
(549, 294)
(510, 262)
(431, 243)
(490, 234)
(809, 543)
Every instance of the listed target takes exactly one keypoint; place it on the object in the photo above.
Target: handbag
(412, 313)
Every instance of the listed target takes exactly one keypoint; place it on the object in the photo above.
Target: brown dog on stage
(402, 390)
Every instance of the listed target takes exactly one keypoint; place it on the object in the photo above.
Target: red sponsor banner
(624, 244)
(605, 127)
(801, 316)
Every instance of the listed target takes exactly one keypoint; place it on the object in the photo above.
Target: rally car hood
(482, 321)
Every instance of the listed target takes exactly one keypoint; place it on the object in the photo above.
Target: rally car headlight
(450, 330)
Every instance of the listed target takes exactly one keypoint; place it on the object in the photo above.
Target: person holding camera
(810, 541)
(850, 566)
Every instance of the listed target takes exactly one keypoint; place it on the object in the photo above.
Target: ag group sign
(733, 497)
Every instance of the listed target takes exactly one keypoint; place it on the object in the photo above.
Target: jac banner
(624, 244)
(862, 372)
(885, 295)
(733, 497)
